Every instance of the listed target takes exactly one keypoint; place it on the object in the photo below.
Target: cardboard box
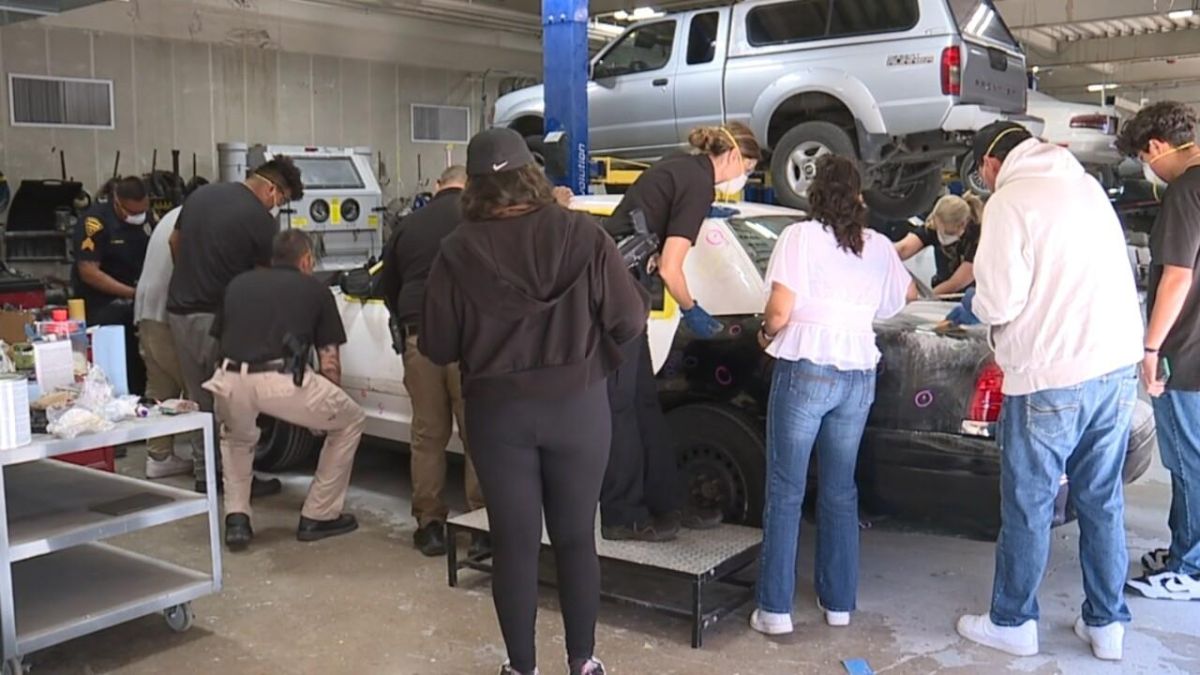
(12, 325)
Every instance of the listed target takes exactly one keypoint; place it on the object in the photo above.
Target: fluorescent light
(1181, 14)
(1037, 69)
(1101, 87)
(646, 13)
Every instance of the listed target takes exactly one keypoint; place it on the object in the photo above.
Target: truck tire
(793, 165)
(537, 145)
(912, 199)
(283, 446)
(722, 455)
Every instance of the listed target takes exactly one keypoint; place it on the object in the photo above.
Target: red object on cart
(104, 459)
(21, 292)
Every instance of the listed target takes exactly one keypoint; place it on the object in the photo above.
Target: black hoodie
(530, 306)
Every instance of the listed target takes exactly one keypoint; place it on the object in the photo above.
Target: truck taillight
(988, 398)
(952, 71)
(1103, 123)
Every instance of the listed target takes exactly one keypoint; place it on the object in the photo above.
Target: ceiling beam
(1123, 49)
(1040, 13)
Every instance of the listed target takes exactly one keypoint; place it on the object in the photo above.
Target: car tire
(722, 455)
(968, 173)
(537, 146)
(793, 162)
(1143, 442)
(283, 446)
(917, 198)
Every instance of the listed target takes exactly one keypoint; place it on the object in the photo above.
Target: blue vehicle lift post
(565, 66)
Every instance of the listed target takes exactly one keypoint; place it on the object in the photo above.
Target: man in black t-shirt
(1163, 137)
(259, 335)
(224, 229)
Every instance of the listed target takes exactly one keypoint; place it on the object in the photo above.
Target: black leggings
(530, 454)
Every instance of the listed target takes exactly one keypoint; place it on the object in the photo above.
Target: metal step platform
(704, 559)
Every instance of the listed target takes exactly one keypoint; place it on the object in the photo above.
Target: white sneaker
(1016, 640)
(171, 466)
(770, 623)
(1108, 642)
(1167, 586)
(835, 619)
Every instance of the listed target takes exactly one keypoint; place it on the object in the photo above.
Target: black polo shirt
(264, 305)
(949, 258)
(101, 236)
(223, 231)
(410, 251)
(676, 195)
(1175, 241)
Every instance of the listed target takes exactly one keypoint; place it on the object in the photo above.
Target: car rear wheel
(283, 446)
(794, 165)
(722, 456)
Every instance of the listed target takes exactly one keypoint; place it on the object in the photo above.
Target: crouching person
(270, 320)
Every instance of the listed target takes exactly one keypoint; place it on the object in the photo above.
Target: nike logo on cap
(500, 166)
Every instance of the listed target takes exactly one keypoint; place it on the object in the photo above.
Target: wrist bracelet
(765, 336)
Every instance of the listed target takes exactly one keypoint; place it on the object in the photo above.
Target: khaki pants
(163, 380)
(436, 395)
(318, 404)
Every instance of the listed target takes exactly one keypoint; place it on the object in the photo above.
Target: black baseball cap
(988, 138)
(496, 151)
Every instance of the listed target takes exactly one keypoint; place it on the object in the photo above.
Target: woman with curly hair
(830, 278)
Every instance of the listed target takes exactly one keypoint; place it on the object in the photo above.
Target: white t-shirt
(150, 300)
(838, 296)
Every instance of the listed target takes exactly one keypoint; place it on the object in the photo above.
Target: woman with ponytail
(644, 497)
(953, 228)
(830, 278)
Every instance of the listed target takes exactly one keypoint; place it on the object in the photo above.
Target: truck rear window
(979, 19)
(801, 20)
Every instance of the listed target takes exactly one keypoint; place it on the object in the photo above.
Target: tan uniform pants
(163, 380)
(239, 398)
(437, 400)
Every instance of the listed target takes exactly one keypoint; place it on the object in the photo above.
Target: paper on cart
(15, 425)
(53, 364)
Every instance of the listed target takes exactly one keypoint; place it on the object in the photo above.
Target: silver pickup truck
(900, 84)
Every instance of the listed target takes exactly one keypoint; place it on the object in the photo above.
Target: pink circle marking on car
(715, 237)
(724, 376)
(924, 398)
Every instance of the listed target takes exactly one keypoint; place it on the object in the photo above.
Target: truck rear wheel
(283, 446)
(794, 164)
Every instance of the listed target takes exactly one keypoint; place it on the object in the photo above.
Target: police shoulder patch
(92, 225)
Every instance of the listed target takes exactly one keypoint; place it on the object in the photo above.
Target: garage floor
(368, 603)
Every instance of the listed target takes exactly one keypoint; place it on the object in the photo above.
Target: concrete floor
(369, 604)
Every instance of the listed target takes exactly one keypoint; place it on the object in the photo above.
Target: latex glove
(963, 314)
(701, 322)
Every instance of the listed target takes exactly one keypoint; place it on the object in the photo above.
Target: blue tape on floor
(858, 667)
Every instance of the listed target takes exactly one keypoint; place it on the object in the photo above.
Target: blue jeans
(1081, 431)
(822, 406)
(1177, 414)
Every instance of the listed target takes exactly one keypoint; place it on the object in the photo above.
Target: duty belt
(273, 366)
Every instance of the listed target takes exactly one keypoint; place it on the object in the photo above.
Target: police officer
(110, 247)
(644, 497)
(435, 391)
(265, 346)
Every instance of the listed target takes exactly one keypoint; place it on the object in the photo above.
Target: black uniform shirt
(264, 305)
(676, 195)
(223, 231)
(410, 251)
(101, 236)
(1175, 241)
(949, 258)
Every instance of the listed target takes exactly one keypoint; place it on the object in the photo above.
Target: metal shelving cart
(58, 581)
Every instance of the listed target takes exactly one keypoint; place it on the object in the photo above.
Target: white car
(1088, 131)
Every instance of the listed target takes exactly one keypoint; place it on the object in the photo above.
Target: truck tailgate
(993, 77)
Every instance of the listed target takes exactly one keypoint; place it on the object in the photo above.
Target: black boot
(312, 530)
(431, 539)
(481, 545)
(238, 532)
(653, 530)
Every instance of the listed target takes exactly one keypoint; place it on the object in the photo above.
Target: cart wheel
(14, 667)
(180, 617)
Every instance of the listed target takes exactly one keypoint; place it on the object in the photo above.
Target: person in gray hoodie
(1055, 290)
(534, 302)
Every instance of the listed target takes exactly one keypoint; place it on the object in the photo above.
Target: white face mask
(948, 239)
(136, 218)
(1154, 179)
(733, 186)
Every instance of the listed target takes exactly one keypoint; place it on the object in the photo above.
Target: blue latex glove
(701, 322)
(963, 314)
